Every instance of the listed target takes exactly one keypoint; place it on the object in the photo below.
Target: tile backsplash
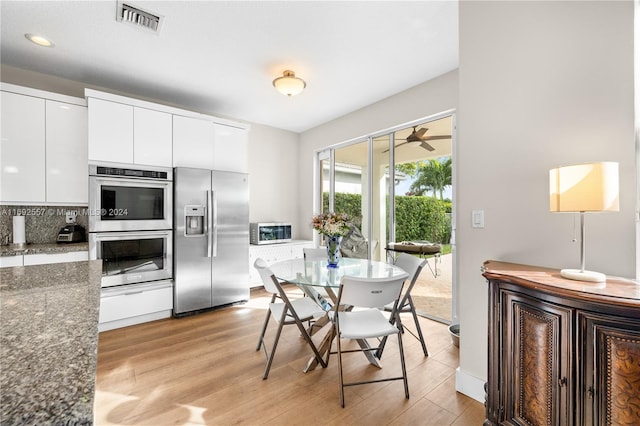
(42, 223)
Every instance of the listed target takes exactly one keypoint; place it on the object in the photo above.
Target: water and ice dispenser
(194, 220)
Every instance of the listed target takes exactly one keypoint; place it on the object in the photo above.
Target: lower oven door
(132, 257)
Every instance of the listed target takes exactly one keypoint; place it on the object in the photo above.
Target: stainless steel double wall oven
(130, 222)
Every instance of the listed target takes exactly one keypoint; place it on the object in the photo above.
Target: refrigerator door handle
(214, 203)
(209, 195)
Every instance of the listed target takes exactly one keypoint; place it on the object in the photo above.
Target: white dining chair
(412, 265)
(286, 312)
(314, 253)
(368, 323)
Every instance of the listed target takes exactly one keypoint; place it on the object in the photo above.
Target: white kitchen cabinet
(66, 153)
(193, 140)
(272, 253)
(230, 148)
(43, 258)
(47, 258)
(23, 148)
(9, 261)
(110, 131)
(152, 137)
(123, 133)
(134, 304)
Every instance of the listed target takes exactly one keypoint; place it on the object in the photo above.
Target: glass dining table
(312, 275)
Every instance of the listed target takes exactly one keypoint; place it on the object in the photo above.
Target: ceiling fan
(418, 136)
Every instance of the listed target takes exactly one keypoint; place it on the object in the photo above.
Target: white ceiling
(219, 57)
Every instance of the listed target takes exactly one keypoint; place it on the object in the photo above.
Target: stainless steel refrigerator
(211, 239)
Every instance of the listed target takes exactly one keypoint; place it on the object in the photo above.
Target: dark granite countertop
(48, 343)
(13, 250)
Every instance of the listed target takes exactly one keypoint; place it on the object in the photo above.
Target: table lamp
(591, 187)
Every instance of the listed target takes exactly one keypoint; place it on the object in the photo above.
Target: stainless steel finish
(95, 252)
(254, 233)
(209, 224)
(211, 269)
(96, 181)
(214, 234)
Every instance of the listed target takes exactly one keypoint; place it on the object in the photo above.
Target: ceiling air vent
(138, 17)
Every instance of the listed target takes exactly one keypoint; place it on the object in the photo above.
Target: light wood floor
(204, 369)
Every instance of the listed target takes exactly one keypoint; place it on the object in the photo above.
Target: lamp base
(577, 274)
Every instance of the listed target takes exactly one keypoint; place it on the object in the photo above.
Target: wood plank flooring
(205, 370)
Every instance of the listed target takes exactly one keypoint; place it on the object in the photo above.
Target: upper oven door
(124, 204)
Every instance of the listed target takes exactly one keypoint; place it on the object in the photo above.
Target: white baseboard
(125, 322)
(470, 385)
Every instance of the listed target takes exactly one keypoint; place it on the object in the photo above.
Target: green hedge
(417, 217)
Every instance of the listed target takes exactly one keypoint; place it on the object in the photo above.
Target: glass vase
(333, 250)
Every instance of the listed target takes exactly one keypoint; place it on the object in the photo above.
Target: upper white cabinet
(110, 131)
(66, 157)
(132, 131)
(129, 134)
(23, 148)
(230, 148)
(44, 147)
(152, 137)
(193, 142)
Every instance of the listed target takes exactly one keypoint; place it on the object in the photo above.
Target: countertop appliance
(72, 234)
(270, 233)
(211, 239)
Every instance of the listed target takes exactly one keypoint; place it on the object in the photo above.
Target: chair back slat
(266, 276)
(370, 292)
(412, 265)
(314, 253)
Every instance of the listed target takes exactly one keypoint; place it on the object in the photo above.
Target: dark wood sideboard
(561, 352)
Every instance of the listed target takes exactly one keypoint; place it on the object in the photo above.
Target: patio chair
(412, 265)
(368, 323)
(286, 312)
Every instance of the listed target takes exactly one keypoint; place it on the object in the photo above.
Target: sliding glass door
(397, 186)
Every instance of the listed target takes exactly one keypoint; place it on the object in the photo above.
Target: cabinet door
(192, 142)
(10, 261)
(536, 361)
(230, 148)
(608, 391)
(110, 131)
(47, 258)
(23, 148)
(152, 138)
(66, 154)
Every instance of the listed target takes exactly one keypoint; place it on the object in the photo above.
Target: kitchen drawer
(45, 258)
(119, 303)
(9, 261)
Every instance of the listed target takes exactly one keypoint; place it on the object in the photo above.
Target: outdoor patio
(432, 295)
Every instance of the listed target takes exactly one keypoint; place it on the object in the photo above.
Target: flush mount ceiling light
(289, 84)
(39, 40)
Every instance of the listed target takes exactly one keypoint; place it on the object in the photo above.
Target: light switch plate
(477, 218)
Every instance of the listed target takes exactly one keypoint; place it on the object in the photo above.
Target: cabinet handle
(562, 381)
(590, 392)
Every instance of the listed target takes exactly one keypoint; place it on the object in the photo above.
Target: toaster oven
(269, 233)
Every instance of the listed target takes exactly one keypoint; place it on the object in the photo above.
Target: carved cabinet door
(608, 392)
(536, 380)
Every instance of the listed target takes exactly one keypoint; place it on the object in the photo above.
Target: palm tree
(433, 175)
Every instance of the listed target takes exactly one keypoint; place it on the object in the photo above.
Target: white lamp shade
(584, 188)
(289, 84)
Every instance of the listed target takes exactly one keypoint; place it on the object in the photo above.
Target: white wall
(429, 98)
(273, 176)
(541, 84)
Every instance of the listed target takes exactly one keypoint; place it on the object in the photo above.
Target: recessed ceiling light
(39, 40)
